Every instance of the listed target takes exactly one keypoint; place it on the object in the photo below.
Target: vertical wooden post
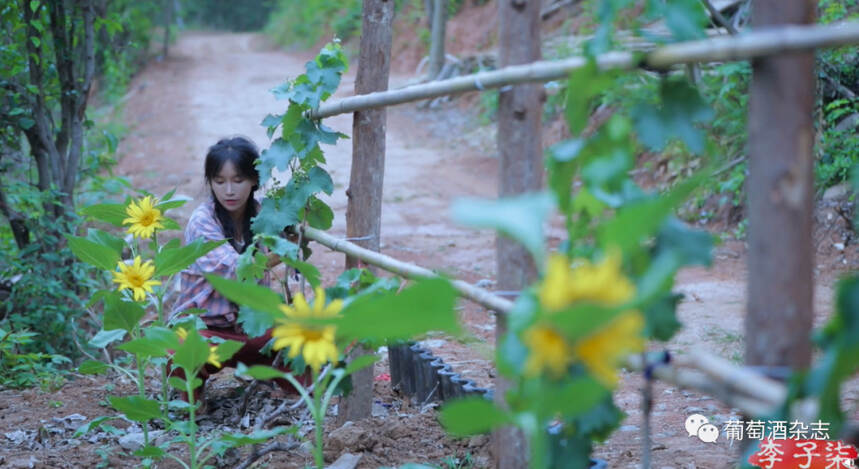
(780, 185)
(521, 170)
(364, 205)
(439, 17)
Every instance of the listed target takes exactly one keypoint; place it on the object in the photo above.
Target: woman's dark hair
(242, 153)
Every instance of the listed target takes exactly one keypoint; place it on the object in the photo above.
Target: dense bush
(229, 15)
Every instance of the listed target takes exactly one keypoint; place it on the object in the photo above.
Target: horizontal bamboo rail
(745, 46)
(404, 269)
(733, 385)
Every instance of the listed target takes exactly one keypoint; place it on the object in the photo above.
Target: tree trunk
(364, 206)
(168, 18)
(17, 221)
(521, 170)
(780, 184)
(439, 18)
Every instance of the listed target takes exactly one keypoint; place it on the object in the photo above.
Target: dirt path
(215, 85)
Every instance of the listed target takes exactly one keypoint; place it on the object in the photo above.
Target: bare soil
(215, 85)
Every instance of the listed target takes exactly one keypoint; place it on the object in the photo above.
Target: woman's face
(232, 189)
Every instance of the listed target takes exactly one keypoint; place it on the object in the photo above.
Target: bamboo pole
(746, 46)
(410, 271)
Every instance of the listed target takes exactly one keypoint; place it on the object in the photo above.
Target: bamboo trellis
(746, 46)
(734, 385)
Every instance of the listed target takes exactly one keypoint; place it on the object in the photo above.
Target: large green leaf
(120, 314)
(319, 215)
(686, 19)
(144, 347)
(277, 213)
(110, 213)
(428, 305)
(136, 408)
(521, 218)
(192, 353)
(639, 220)
(472, 415)
(251, 265)
(254, 322)
(93, 253)
(570, 398)
(227, 349)
(104, 338)
(584, 85)
(681, 110)
(248, 294)
(106, 239)
(260, 372)
(172, 260)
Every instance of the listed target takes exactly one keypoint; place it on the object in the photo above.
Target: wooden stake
(520, 152)
(439, 17)
(364, 205)
(780, 191)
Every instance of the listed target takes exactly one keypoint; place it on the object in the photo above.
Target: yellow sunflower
(315, 343)
(136, 277)
(549, 351)
(214, 359)
(602, 351)
(602, 283)
(143, 217)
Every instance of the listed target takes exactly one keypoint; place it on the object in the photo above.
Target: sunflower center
(312, 335)
(135, 279)
(147, 219)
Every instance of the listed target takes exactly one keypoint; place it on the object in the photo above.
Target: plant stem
(192, 424)
(141, 387)
(319, 421)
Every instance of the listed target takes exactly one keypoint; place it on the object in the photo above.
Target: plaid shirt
(196, 291)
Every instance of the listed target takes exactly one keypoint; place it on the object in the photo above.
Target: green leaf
(104, 338)
(87, 427)
(584, 85)
(638, 220)
(227, 349)
(249, 294)
(150, 452)
(428, 305)
(319, 215)
(92, 367)
(120, 314)
(136, 408)
(110, 213)
(172, 260)
(254, 322)
(686, 19)
(682, 108)
(278, 213)
(261, 372)
(251, 265)
(661, 317)
(192, 353)
(176, 383)
(144, 347)
(471, 416)
(308, 270)
(106, 239)
(171, 204)
(521, 218)
(360, 362)
(256, 437)
(571, 398)
(93, 253)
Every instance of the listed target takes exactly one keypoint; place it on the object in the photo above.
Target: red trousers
(249, 354)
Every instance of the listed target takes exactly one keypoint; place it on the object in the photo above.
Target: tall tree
(780, 187)
(521, 170)
(48, 71)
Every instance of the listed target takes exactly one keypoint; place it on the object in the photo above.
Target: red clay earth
(213, 85)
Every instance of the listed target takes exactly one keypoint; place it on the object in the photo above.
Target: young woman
(232, 178)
